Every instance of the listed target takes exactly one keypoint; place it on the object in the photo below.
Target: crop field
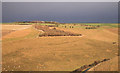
(24, 50)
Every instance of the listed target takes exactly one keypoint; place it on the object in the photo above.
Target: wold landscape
(60, 36)
(53, 46)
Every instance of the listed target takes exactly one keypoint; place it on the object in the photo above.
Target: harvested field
(54, 53)
(19, 33)
(97, 34)
(15, 27)
(114, 30)
(58, 53)
(6, 29)
(5, 32)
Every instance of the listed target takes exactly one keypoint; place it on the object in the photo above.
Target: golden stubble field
(10, 28)
(23, 50)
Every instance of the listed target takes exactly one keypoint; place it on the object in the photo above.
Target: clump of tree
(75, 24)
(114, 42)
(24, 24)
(57, 25)
(91, 27)
(71, 27)
(98, 26)
(65, 26)
(51, 25)
(54, 28)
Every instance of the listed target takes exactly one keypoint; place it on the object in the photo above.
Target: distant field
(93, 24)
(24, 50)
(14, 23)
(15, 27)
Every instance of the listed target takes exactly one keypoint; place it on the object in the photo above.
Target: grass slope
(58, 53)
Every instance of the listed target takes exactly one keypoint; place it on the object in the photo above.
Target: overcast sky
(60, 0)
(67, 12)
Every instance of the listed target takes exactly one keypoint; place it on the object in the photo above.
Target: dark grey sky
(67, 12)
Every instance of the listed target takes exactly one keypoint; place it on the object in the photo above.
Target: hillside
(23, 49)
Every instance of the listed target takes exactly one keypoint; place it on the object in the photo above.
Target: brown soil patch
(54, 32)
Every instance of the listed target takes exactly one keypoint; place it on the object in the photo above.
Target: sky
(64, 12)
(60, 0)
